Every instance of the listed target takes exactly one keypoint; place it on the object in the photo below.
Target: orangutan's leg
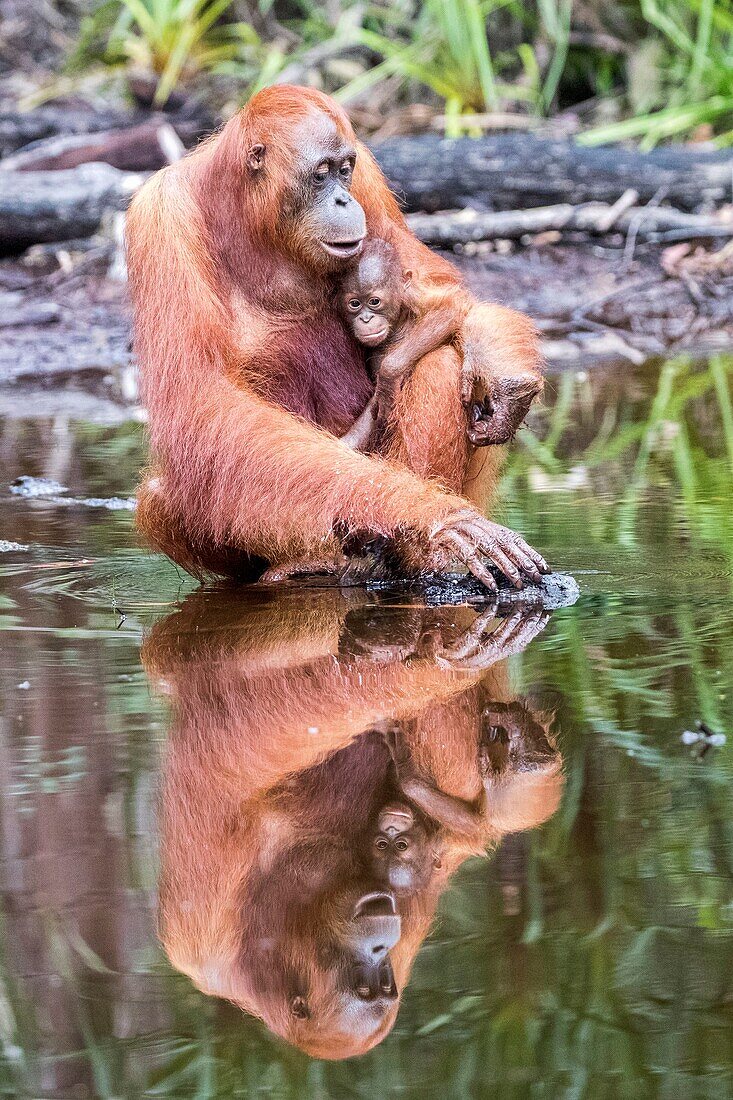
(429, 427)
(167, 533)
(427, 431)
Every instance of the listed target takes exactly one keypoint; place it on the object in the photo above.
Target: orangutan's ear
(406, 279)
(256, 156)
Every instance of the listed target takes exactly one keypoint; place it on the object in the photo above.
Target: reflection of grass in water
(626, 940)
(676, 446)
(593, 957)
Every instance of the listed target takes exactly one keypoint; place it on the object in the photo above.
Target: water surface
(589, 953)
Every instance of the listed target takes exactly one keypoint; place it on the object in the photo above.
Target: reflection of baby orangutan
(330, 763)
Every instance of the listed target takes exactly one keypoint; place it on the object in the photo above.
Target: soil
(65, 325)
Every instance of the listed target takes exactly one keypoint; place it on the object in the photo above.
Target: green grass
(173, 42)
(692, 81)
(648, 70)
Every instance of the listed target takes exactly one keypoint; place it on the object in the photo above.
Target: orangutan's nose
(377, 936)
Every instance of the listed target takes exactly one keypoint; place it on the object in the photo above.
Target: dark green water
(589, 953)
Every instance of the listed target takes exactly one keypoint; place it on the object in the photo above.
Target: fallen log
(507, 171)
(20, 129)
(646, 222)
(143, 148)
(59, 206)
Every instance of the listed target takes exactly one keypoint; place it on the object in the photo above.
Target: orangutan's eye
(363, 991)
(375, 303)
(354, 305)
(321, 171)
(345, 170)
(299, 1008)
(381, 844)
(402, 845)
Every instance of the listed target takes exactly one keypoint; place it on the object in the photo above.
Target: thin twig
(636, 224)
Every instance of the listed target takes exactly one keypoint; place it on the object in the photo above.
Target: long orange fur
(249, 375)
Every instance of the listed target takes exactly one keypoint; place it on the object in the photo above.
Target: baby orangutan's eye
(402, 845)
(345, 170)
(375, 303)
(381, 844)
(321, 171)
(354, 304)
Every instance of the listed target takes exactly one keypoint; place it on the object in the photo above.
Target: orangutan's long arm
(418, 338)
(464, 818)
(436, 327)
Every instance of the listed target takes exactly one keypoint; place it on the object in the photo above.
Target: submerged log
(59, 206)
(506, 171)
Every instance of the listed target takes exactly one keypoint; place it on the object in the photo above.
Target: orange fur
(265, 834)
(247, 459)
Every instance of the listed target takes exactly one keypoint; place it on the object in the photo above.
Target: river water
(484, 855)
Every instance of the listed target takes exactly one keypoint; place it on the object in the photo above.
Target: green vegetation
(686, 74)
(648, 69)
(169, 41)
(172, 37)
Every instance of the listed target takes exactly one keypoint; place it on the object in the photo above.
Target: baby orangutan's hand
(467, 536)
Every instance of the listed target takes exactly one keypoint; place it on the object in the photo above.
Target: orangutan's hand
(468, 537)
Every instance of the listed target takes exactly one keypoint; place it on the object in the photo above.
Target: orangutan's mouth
(378, 904)
(345, 250)
(373, 338)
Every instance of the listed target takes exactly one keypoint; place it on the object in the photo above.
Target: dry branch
(26, 129)
(657, 222)
(141, 148)
(20, 128)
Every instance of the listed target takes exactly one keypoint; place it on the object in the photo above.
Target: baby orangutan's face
(371, 300)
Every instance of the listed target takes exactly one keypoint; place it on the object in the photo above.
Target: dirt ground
(65, 325)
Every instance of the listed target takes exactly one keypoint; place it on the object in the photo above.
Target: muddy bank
(604, 283)
(65, 324)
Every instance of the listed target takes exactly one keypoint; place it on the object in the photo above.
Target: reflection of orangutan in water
(330, 765)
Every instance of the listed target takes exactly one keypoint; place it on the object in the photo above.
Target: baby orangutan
(385, 309)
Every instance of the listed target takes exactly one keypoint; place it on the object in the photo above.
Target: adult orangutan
(250, 373)
(330, 764)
